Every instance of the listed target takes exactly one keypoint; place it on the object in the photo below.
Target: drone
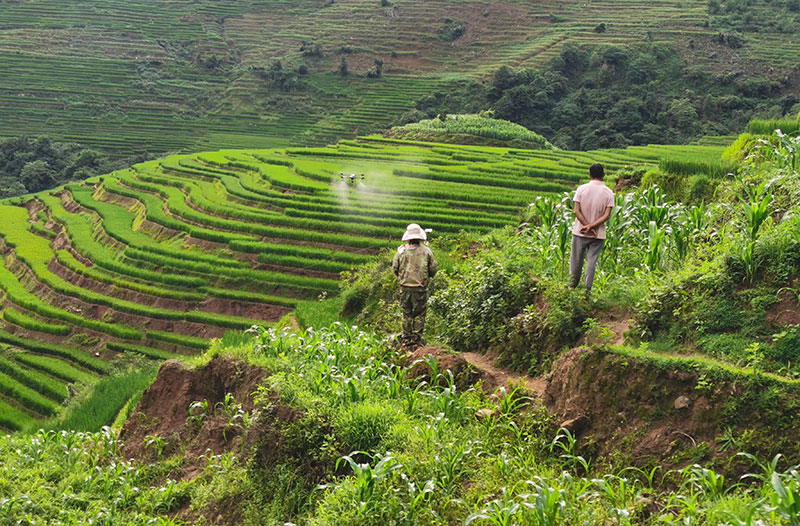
(351, 178)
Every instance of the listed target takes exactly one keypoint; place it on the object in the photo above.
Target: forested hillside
(131, 77)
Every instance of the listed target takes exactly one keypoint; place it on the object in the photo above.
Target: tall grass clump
(687, 166)
(768, 127)
(98, 406)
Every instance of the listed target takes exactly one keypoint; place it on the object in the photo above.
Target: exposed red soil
(259, 311)
(102, 312)
(164, 408)
(464, 374)
(478, 21)
(66, 200)
(99, 349)
(494, 377)
(297, 271)
(786, 311)
(618, 404)
(34, 206)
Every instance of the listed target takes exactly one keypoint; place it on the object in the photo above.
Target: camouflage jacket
(414, 265)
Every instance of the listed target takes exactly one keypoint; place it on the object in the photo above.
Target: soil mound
(645, 411)
(225, 391)
(464, 374)
(616, 404)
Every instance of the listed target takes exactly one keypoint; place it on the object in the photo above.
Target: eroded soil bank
(645, 412)
(633, 411)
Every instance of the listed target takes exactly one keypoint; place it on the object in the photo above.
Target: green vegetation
(613, 96)
(714, 272)
(161, 78)
(470, 129)
(30, 165)
(158, 259)
(17, 318)
(375, 444)
(98, 406)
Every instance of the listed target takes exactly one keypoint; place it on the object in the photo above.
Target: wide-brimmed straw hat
(414, 231)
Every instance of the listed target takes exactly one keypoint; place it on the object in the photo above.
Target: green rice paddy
(156, 260)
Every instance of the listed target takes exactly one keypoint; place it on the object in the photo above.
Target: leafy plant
(367, 476)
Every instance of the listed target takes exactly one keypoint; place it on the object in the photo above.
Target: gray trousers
(584, 247)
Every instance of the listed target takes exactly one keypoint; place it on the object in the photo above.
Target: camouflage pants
(414, 302)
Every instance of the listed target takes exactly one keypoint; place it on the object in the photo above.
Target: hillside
(668, 395)
(146, 76)
(159, 258)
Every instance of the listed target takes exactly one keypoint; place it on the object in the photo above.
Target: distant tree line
(783, 16)
(612, 96)
(35, 164)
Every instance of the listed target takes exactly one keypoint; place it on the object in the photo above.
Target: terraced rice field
(157, 259)
(129, 77)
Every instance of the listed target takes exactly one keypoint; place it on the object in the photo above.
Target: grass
(17, 318)
(12, 418)
(145, 97)
(41, 383)
(55, 367)
(80, 358)
(767, 127)
(104, 400)
(148, 352)
(459, 126)
(29, 398)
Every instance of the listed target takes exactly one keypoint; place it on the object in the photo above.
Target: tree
(37, 175)
(377, 71)
(310, 49)
(343, 67)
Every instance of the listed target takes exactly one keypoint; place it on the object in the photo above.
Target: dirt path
(500, 377)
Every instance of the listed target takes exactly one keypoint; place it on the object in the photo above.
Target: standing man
(593, 204)
(414, 266)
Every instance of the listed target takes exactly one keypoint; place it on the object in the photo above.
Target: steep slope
(130, 77)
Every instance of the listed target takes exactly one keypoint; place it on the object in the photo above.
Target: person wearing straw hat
(414, 266)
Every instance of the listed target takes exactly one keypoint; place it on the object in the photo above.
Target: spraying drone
(350, 178)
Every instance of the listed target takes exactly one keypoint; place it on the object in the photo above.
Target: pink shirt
(594, 198)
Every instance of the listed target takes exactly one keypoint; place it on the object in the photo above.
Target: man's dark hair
(414, 241)
(596, 171)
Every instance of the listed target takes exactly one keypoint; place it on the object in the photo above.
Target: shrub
(786, 345)
(365, 426)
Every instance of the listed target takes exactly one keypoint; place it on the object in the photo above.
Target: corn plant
(156, 443)
(706, 481)
(785, 501)
(450, 464)
(198, 411)
(755, 208)
(367, 476)
(509, 403)
(498, 512)
(656, 239)
(618, 493)
(236, 416)
(567, 443)
(419, 496)
(787, 150)
(547, 503)
(767, 468)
